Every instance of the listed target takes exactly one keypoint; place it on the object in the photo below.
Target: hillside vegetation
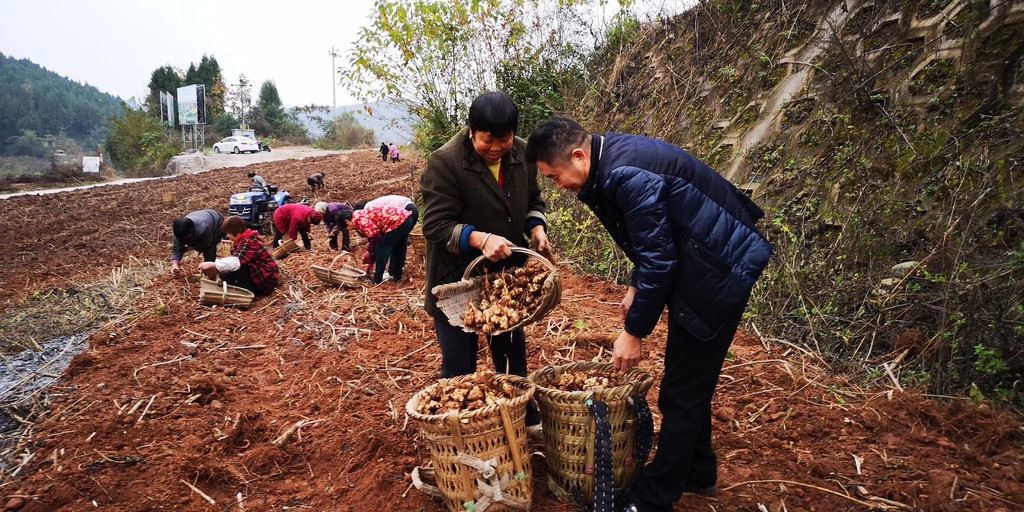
(36, 102)
(874, 134)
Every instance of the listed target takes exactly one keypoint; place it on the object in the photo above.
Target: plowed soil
(181, 399)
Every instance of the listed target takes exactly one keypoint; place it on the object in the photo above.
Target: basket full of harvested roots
(491, 300)
(475, 428)
(572, 399)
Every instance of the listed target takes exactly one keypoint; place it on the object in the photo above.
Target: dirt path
(210, 162)
(177, 398)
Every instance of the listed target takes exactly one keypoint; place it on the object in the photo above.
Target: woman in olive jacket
(480, 197)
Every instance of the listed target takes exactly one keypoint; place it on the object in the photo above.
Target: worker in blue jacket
(691, 237)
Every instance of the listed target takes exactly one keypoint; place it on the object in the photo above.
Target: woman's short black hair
(494, 112)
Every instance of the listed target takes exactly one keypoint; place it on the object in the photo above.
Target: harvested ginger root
(473, 393)
(586, 380)
(508, 297)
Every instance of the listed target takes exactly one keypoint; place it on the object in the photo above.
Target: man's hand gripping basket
(480, 459)
(594, 440)
(523, 306)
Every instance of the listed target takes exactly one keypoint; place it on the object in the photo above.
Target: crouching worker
(199, 230)
(336, 219)
(387, 229)
(295, 219)
(250, 265)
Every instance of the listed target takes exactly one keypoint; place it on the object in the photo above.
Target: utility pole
(242, 87)
(334, 83)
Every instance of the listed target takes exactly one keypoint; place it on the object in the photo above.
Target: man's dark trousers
(684, 458)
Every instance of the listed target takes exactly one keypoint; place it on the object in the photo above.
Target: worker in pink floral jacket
(387, 230)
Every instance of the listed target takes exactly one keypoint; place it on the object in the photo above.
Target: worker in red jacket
(294, 219)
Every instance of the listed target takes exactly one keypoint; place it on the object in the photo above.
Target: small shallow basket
(496, 431)
(418, 242)
(356, 240)
(347, 275)
(212, 293)
(284, 249)
(569, 428)
(454, 298)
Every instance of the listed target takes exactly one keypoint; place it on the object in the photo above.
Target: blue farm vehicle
(257, 205)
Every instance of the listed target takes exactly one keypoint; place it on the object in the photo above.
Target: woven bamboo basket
(356, 240)
(569, 428)
(284, 249)
(496, 431)
(454, 298)
(418, 242)
(347, 275)
(212, 293)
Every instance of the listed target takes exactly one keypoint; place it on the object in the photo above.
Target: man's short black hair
(493, 112)
(359, 205)
(553, 140)
(183, 228)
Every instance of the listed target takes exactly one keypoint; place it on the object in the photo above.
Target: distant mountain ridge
(389, 121)
(35, 99)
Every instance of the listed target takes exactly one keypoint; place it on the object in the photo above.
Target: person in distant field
(315, 182)
(199, 230)
(387, 230)
(337, 217)
(257, 180)
(393, 152)
(295, 219)
(692, 239)
(384, 151)
(481, 197)
(250, 265)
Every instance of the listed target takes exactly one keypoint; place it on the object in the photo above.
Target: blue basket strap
(604, 471)
(644, 432)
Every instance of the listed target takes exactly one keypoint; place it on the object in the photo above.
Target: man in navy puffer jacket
(691, 237)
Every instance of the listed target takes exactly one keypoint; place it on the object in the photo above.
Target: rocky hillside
(884, 140)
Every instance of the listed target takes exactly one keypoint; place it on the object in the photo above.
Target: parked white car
(236, 145)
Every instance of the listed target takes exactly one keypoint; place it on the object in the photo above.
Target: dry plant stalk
(508, 296)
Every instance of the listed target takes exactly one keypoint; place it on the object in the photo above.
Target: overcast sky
(114, 45)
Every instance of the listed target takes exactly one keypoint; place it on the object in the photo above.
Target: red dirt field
(180, 398)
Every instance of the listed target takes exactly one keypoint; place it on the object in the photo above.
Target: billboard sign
(200, 104)
(170, 109)
(187, 105)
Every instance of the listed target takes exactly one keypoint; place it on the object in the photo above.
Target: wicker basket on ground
(356, 240)
(212, 293)
(284, 249)
(417, 241)
(346, 275)
(569, 429)
(492, 438)
(454, 298)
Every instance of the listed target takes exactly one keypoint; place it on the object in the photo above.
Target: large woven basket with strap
(479, 457)
(577, 432)
(454, 298)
